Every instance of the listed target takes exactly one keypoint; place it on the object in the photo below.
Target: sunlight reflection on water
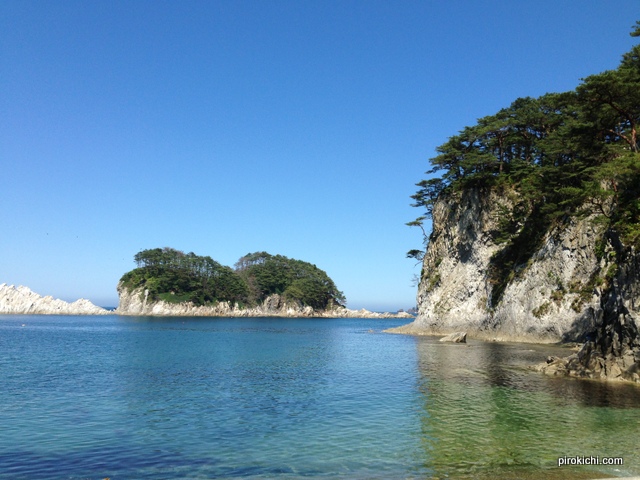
(88, 397)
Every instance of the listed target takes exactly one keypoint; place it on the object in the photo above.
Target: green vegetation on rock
(174, 276)
(296, 280)
(555, 157)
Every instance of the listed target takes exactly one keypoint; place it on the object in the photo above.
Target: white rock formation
(458, 337)
(136, 302)
(21, 300)
(556, 296)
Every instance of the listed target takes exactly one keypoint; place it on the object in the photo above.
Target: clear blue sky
(228, 127)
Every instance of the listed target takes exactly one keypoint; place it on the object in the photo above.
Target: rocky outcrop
(137, 302)
(21, 300)
(578, 284)
(612, 350)
(458, 337)
(453, 292)
(550, 298)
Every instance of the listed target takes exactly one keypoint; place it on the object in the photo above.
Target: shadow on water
(509, 365)
(264, 398)
(486, 414)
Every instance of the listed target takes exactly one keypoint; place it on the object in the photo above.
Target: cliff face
(580, 284)
(136, 302)
(21, 300)
(453, 293)
(612, 349)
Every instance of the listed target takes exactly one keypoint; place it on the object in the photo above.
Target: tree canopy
(297, 280)
(174, 276)
(561, 152)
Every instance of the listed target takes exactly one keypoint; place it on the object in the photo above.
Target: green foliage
(585, 290)
(416, 254)
(173, 298)
(309, 291)
(297, 280)
(541, 310)
(175, 277)
(432, 280)
(516, 251)
(566, 154)
(426, 197)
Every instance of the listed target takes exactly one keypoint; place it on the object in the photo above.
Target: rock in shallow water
(457, 337)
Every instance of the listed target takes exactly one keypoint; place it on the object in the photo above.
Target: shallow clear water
(139, 397)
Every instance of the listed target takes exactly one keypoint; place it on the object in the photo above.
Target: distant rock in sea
(21, 300)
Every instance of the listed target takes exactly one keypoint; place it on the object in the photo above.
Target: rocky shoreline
(21, 300)
(556, 296)
(137, 303)
(580, 284)
(597, 359)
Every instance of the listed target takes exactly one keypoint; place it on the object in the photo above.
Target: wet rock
(457, 337)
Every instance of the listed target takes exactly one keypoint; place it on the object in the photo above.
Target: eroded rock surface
(21, 300)
(458, 337)
(137, 302)
(579, 284)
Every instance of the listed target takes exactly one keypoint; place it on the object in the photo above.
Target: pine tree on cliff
(561, 152)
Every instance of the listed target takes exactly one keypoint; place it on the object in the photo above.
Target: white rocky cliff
(546, 300)
(136, 302)
(579, 284)
(21, 300)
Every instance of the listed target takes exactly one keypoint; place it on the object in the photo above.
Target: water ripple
(246, 398)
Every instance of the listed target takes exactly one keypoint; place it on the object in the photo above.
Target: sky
(222, 128)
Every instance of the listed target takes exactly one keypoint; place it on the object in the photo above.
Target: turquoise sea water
(148, 398)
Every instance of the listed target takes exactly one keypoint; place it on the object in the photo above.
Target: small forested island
(535, 235)
(170, 282)
(172, 276)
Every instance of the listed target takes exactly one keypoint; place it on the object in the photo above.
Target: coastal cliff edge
(579, 285)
